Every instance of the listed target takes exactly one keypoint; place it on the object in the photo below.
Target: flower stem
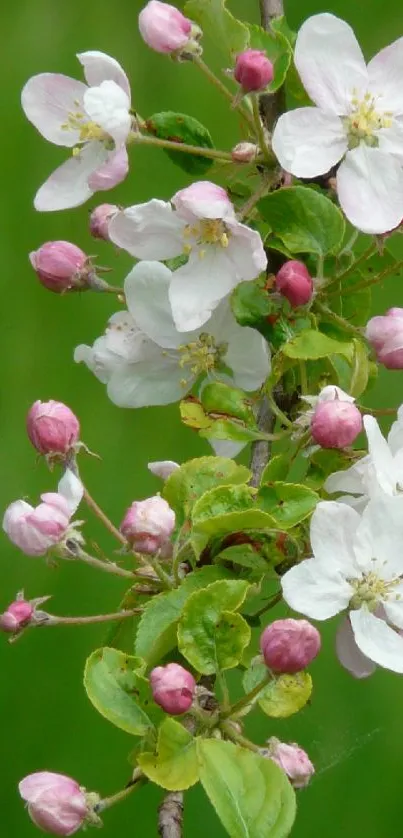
(107, 802)
(166, 580)
(108, 567)
(223, 89)
(278, 412)
(213, 153)
(366, 254)
(236, 709)
(102, 517)
(345, 325)
(82, 621)
(269, 157)
(238, 738)
(373, 280)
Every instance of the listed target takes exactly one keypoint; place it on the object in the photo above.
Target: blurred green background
(353, 731)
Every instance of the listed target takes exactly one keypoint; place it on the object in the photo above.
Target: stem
(366, 254)
(81, 621)
(224, 689)
(223, 89)
(107, 802)
(247, 699)
(378, 411)
(261, 448)
(278, 412)
(274, 600)
(248, 206)
(102, 517)
(303, 378)
(366, 283)
(142, 139)
(269, 157)
(108, 567)
(271, 105)
(233, 734)
(162, 576)
(170, 815)
(345, 325)
(350, 244)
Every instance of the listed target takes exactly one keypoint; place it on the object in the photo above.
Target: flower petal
(377, 640)
(393, 606)
(385, 72)
(391, 139)
(123, 343)
(378, 541)
(330, 62)
(198, 287)
(98, 67)
(47, 100)
(112, 172)
(33, 785)
(156, 381)
(351, 480)
(203, 199)
(71, 488)
(395, 436)
(333, 527)
(226, 448)
(146, 290)
(308, 141)
(245, 251)
(349, 654)
(381, 458)
(316, 590)
(108, 106)
(247, 354)
(148, 231)
(370, 189)
(68, 185)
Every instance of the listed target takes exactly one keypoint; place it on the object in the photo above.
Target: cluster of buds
(288, 646)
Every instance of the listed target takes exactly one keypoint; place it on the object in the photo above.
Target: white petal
(381, 458)
(153, 382)
(72, 490)
(148, 231)
(385, 73)
(198, 287)
(112, 171)
(377, 640)
(391, 139)
(378, 542)
(226, 448)
(98, 67)
(351, 480)
(47, 100)
(395, 436)
(203, 199)
(245, 251)
(330, 62)
(163, 468)
(370, 189)
(108, 106)
(333, 527)
(308, 141)
(68, 185)
(349, 654)
(393, 606)
(316, 590)
(123, 343)
(146, 289)
(247, 354)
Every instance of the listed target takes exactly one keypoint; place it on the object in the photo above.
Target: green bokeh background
(353, 731)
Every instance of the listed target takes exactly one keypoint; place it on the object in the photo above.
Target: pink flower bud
(36, 530)
(56, 803)
(253, 70)
(289, 645)
(148, 524)
(165, 29)
(17, 616)
(294, 282)
(385, 334)
(99, 220)
(293, 761)
(244, 152)
(52, 427)
(173, 688)
(59, 265)
(335, 424)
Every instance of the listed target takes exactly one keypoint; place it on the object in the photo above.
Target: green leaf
(323, 463)
(284, 695)
(251, 795)
(359, 369)
(217, 397)
(226, 32)
(182, 128)
(117, 689)
(276, 47)
(288, 503)
(174, 766)
(225, 510)
(244, 555)
(252, 304)
(210, 635)
(232, 429)
(156, 634)
(311, 345)
(304, 220)
(277, 468)
(193, 415)
(189, 482)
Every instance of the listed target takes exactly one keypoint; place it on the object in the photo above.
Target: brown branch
(261, 449)
(270, 9)
(170, 815)
(271, 104)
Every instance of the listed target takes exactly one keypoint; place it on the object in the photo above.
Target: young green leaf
(277, 468)
(284, 695)
(174, 766)
(188, 483)
(226, 32)
(288, 503)
(226, 510)
(217, 397)
(117, 689)
(182, 128)
(304, 220)
(311, 345)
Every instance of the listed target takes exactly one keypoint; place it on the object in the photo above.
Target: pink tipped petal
(330, 62)
(57, 501)
(385, 73)
(71, 488)
(35, 784)
(370, 189)
(308, 142)
(148, 231)
(47, 100)
(349, 654)
(376, 640)
(203, 199)
(68, 185)
(112, 172)
(99, 67)
(108, 106)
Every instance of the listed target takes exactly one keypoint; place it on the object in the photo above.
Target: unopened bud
(244, 152)
(294, 282)
(385, 334)
(292, 760)
(148, 524)
(335, 424)
(165, 29)
(99, 220)
(60, 266)
(253, 70)
(17, 615)
(173, 688)
(52, 427)
(56, 803)
(36, 530)
(289, 645)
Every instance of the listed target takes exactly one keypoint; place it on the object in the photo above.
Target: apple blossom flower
(294, 282)
(335, 424)
(357, 564)
(148, 524)
(99, 220)
(293, 760)
(60, 266)
(385, 334)
(52, 427)
(173, 688)
(144, 360)
(381, 470)
(56, 803)
(92, 119)
(253, 70)
(348, 653)
(289, 645)
(36, 530)
(165, 29)
(358, 120)
(199, 222)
